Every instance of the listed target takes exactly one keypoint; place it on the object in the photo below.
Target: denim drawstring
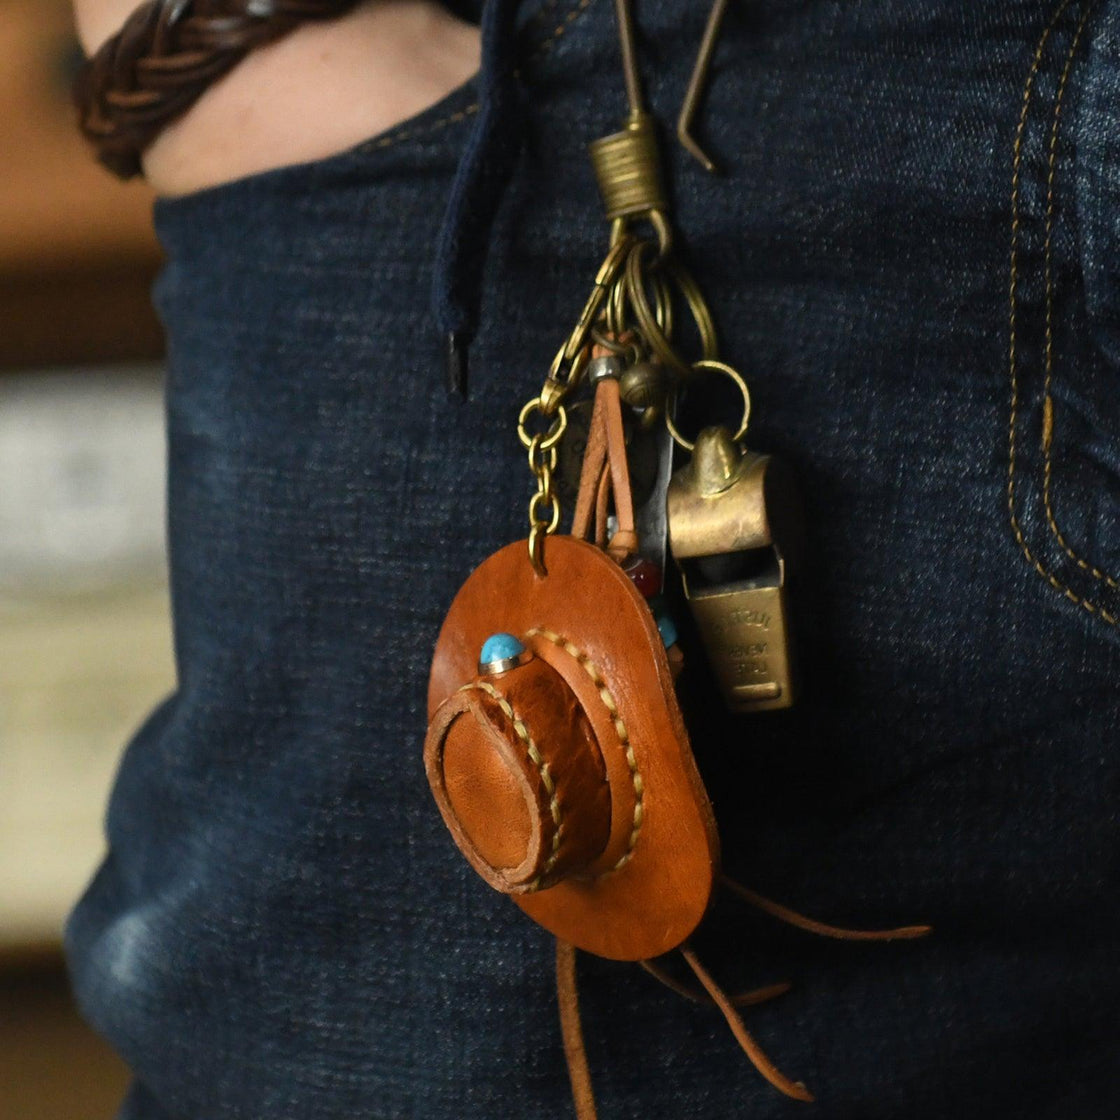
(492, 147)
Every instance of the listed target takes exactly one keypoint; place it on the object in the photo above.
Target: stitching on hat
(1048, 255)
(1093, 608)
(608, 700)
(541, 765)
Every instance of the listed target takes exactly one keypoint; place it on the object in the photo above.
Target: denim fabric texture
(283, 929)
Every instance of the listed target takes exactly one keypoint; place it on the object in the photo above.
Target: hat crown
(519, 777)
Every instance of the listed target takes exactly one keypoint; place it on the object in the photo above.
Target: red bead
(646, 576)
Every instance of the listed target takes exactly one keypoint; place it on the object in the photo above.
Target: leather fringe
(571, 1029)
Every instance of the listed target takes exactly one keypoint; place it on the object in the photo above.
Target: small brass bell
(732, 523)
(644, 387)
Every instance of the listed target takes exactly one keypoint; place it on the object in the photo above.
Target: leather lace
(710, 991)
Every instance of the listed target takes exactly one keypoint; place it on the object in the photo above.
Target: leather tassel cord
(837, 933)
(571, 1030)
(567, 992)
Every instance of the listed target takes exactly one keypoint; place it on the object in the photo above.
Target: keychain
(557, 751)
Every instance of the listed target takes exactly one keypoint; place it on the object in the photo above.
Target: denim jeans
(911, 252)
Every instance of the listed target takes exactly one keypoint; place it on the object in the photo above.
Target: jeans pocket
(1064, 440)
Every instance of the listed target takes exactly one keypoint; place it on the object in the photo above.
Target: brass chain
(543, 454)
(540, 527)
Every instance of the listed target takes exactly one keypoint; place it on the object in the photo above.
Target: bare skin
(320, 90)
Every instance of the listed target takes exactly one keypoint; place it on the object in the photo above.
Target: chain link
(542, 462)
(543, 456)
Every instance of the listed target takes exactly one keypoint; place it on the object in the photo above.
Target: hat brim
(653, 884)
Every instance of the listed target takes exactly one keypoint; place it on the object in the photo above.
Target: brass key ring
(547, 439)
(661, 315)
(708, 365)
(650, 325)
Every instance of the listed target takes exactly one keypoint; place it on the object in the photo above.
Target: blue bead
(500, 647)
(667, 628)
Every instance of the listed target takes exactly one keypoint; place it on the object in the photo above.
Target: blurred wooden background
(52, 1067)
(77, 254)
(77, 258)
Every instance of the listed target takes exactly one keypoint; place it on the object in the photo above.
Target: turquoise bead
(500, 647)
(667, 628)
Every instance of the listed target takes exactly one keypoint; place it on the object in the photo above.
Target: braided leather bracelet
(166, 56)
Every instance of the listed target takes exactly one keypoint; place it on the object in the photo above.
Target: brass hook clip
(698, 83)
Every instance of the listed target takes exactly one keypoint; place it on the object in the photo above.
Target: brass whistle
(732, 528)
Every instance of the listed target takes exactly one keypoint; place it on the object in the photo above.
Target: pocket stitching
(406, 133)
(565, 24)
(1093, 608)
(1048, 251)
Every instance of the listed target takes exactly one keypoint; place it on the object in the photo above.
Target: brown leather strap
(793, 918)
(593, 472)
(751, 998)
(167, 55)
(567, 996)
(762, 1063)
(606, 454)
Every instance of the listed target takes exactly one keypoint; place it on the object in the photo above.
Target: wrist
(320, 87)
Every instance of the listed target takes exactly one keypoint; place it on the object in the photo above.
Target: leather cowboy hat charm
(564, 771)
(558, 756)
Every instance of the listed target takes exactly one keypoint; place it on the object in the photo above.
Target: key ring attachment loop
(615, 314)
(618, 319)
(650, 322)
(628, 352)
(548, 439)
(710, 366)
(662, 227)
